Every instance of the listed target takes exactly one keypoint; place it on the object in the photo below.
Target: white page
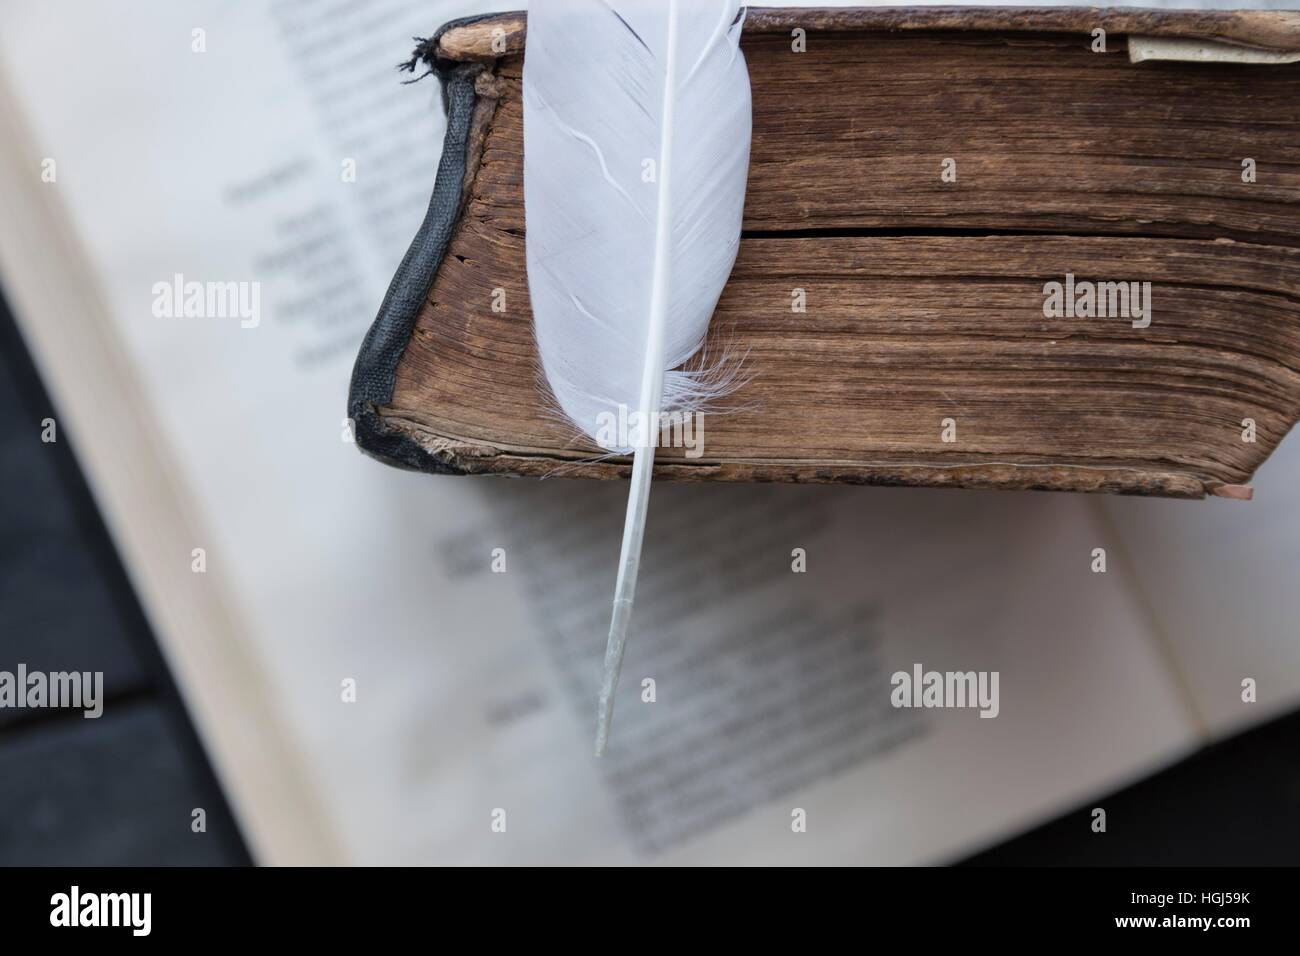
(475, 689)
(1221, 577)
(784, 677)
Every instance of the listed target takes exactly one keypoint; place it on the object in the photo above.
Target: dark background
(121, 789)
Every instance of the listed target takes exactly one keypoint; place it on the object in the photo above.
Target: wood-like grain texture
(505, 33)
(924, 297)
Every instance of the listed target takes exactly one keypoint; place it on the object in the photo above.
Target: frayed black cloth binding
(426, 52)
(375, 372)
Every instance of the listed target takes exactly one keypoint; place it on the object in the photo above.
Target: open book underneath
(392, 668)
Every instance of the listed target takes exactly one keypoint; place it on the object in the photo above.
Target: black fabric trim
(374, 374)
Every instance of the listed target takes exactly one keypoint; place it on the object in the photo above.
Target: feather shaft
(625, 268)
(652, 385)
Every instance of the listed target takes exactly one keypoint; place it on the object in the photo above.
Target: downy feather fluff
(636, 151)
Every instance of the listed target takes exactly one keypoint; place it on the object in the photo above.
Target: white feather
(636, 151)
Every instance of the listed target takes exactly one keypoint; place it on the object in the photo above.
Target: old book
(982, 248)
